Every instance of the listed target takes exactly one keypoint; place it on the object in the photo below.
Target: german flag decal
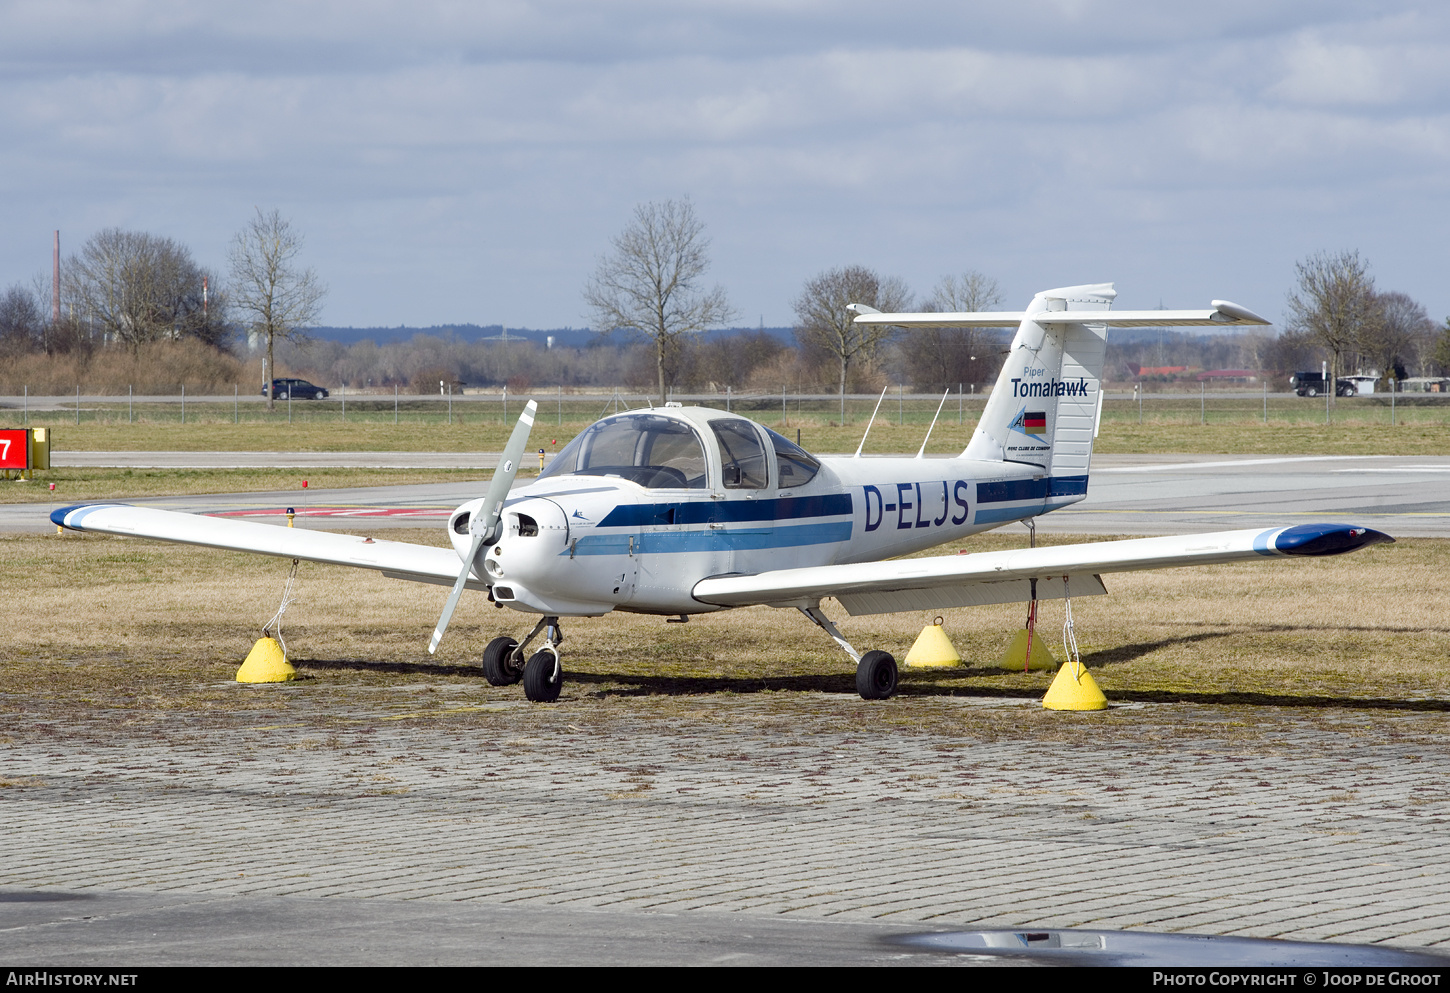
(1034, 421)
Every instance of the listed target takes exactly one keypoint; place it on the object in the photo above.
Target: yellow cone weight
(1074, 689)
(266, 664)
(1041, 656)
(933, 649)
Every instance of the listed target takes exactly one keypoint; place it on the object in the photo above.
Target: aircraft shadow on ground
(918, 683)
(393, 668)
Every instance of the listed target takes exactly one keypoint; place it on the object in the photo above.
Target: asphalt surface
(377, 831)
(1407, 496)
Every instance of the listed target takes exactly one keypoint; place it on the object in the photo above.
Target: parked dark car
(296, 389)
(1312, 384)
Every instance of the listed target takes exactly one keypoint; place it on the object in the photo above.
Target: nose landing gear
(542, 674)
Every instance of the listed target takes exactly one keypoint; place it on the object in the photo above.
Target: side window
(794, 465)
(742, 459)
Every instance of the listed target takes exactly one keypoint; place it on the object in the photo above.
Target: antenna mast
(872, 421)
(939, 406)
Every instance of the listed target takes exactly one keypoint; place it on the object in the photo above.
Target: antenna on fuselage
(872, 421)
(939, 406)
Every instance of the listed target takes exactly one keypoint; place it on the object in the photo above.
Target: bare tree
(278, 299)
(1404, 328)
(21, 323)
(649, 282)
(132, 287)
(1335, 302)
(824, 324)
(1439, 356)
(939, 358)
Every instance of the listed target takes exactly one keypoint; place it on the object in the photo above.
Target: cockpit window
(742, 460)
(795, 465)
(655, 452)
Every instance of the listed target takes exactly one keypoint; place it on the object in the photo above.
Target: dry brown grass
(76, 485)
(120, 623)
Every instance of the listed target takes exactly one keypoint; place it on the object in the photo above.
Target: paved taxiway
(1407, 496)
(359, 831)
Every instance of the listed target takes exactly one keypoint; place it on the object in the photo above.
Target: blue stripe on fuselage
(726, 512)
(740, 539)
(1008, 490)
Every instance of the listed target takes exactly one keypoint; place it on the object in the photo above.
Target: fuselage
(590, 537)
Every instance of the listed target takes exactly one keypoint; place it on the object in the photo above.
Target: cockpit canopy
(665, 452)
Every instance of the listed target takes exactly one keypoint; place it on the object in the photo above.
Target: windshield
(653, 451)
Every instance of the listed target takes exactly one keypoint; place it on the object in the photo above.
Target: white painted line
(1179, 466)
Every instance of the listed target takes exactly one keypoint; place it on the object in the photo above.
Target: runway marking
(1234, 462)
(338, 512)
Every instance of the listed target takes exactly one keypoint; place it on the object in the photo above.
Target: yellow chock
(1074, 689)
(266, 664)
(933, 649)
(1017, 653)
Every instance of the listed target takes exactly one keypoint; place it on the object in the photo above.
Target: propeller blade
(453, 597)
(486, 530)
(503, 476)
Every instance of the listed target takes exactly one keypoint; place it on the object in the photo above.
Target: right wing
(395, 559)
(971, 580)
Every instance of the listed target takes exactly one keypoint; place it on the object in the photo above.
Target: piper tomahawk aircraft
(684, 510)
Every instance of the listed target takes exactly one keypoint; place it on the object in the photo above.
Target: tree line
(129, 291)
(143, 298)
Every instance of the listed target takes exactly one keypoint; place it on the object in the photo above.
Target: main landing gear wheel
(500, 667)
(876, 676)
(544, 677)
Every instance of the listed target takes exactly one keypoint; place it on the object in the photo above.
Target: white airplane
(684, 510)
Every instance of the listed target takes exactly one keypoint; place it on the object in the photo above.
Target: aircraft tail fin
(1045, 407)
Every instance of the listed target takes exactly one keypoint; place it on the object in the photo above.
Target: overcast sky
(457, 162)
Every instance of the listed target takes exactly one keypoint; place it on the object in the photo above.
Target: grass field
(1362, 425)
(133, 625)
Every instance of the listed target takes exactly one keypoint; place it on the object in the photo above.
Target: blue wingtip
(1327, 539)
(57, 517)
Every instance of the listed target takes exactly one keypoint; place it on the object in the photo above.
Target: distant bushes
(156, 368)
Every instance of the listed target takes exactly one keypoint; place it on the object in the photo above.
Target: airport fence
(778, 410)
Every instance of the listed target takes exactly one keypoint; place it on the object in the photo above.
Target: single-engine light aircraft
(680, 510)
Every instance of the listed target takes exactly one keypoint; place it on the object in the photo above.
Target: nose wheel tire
(500, 667)
(876, 676)
(543, 677)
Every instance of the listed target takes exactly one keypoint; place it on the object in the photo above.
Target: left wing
(1006, 577)
(397, 559)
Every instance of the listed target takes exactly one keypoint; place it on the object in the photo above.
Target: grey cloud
(926, 133)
